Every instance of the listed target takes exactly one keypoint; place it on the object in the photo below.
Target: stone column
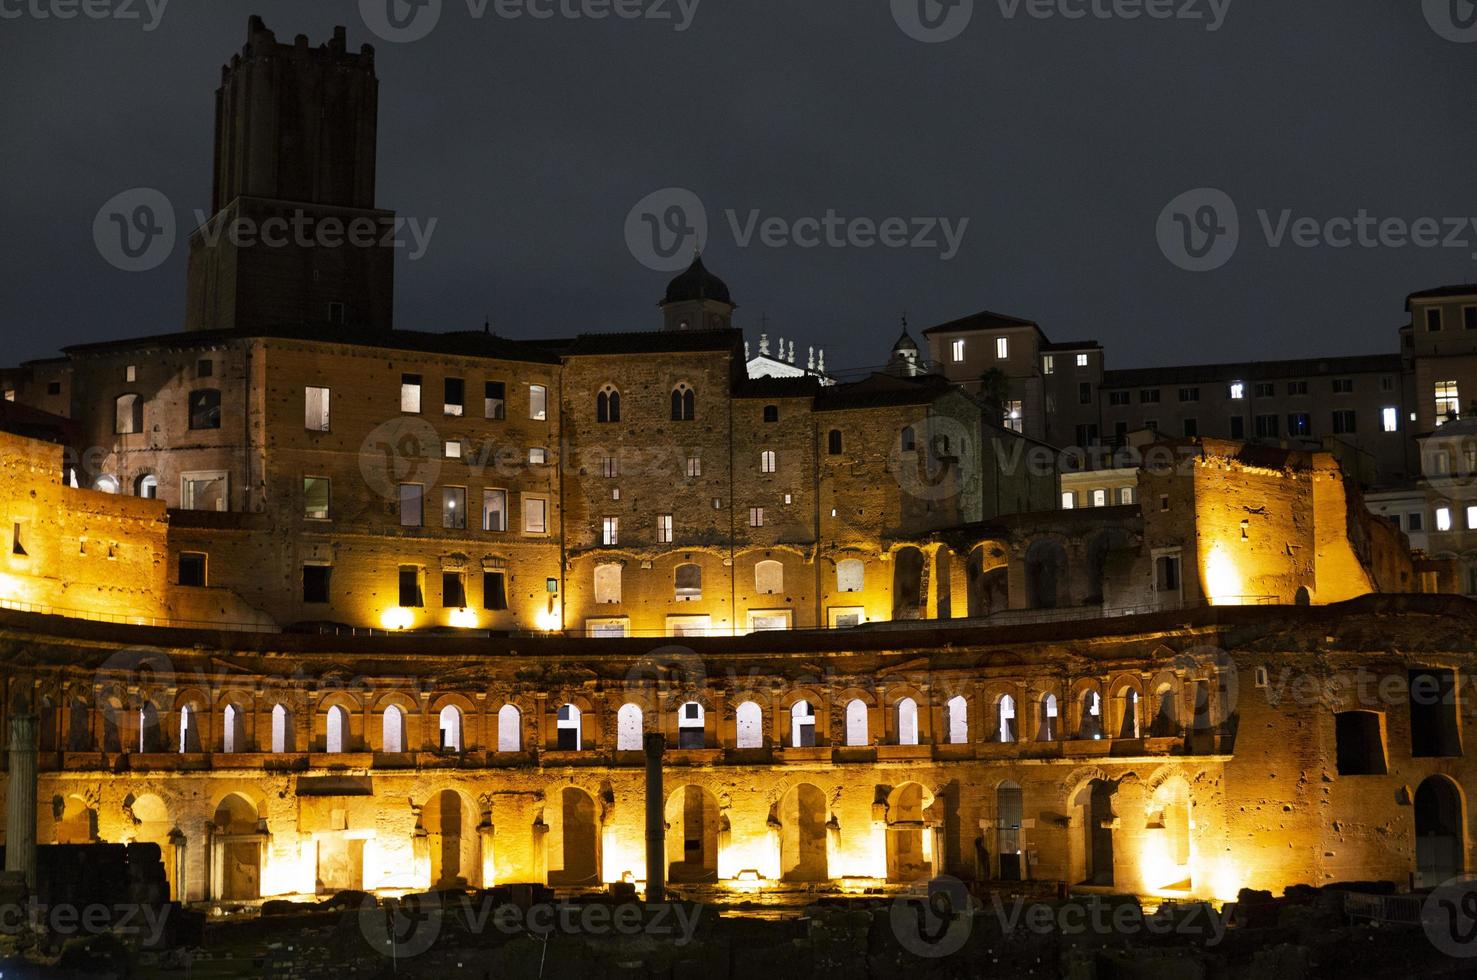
(656, 829)
(20, 800)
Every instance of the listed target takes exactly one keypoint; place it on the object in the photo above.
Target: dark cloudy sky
(531, 140)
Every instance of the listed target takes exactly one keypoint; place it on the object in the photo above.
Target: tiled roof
(984, 320)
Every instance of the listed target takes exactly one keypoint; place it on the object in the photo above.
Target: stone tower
(697, 300)
(295, 238)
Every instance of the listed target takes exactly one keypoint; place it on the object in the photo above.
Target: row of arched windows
(608, 404)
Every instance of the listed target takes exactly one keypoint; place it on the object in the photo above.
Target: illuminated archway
(801, 813)
(692, 835)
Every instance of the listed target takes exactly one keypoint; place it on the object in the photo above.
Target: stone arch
(509, 728)
(749, 725)
(1047, 574)
(1088, 710)
(909, 584)
(152, 824)
(910, 840)
(1440, 831)
(1103, 558)
(449, 818)
(800, 818)
(1165, 859)
(629, 727)
(573, 839)
(1126, 706)
(76, 820)
(987, 577)
(692, 817)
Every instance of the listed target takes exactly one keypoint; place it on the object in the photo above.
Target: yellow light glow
(464, 619)
(1223, 585)
(548, 621)
(397, 618)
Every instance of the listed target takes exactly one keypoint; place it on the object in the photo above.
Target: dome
(696, 284)
(905, 343)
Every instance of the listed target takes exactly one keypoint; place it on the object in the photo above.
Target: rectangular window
(767, 461)
(494, 591)
(205, 409)
(1265, 427)
(315, 583)
(1189, 394)
(1443, 518)
(1084, 392)
(130, 373)
(1151, 424)
(1267, 389)
(1192, 428)
(1149, 396)
(1100, 498)
(1002, 348)
(694, 466)
(1087, 435)
(1390, 417)
(1433, 716)
(756, 516)
(315, 498)
(1125, 495)
(1433, 320)
(1299, 424)
(1238, 391)
(1472, 518)
(538, 403)
(410, 393)
(453, 590)
(1118, 398)
(610, 467)
(1167, 573)
(1469, 317)
(1359, 745)
(1448, 401)
(958, 347)
(1048, 364)
(452, 449)
(454, 508)
(1069, 500)
(204, 369)
(495, 400)
(664, 528)
(1416, 521)
(410, 587)
(192, 569)
(535, 515)
(1344, 422)
(455, 401)
(410, 504)
(204, 491)
(1238, 427)
(494, 510)
(1343, 386)
(1082, 360)
(1014, 416)
(1387, 383)
(315, 409)
(610, 531)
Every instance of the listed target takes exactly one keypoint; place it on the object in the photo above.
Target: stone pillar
(656, 827)
(20, 800)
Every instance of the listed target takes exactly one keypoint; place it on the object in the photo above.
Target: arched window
(907, 722)
(690, 732)
(338, 729)
(628, 728)
(233, 733)
(150, 739)
(909, 440)
(106, 484)
(1166, 715)
(856, 723)
(767, 461)
(684, 404)
(569, 728)
(1048, 719)
(957, 717)
(1092, 716)
(850, 575)
(1130, 726)
(280, 729)
(749, 725)
(802, 725)
(689, 583)
(147, 486)
(608, 405)
(393, 729)
(1005, 722)
(833, 442)
(769, 578)
(451, 729)
(189, 730)
(509, 729)
(128, 414)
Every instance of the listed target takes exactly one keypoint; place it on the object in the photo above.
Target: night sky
(530, 141)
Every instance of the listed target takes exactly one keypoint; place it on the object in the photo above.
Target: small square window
(205, 369)
(52, 388)
(453, 449)
(771, 413)
(315, 583)
(538, 456)
(192, 569)
(1082, 360)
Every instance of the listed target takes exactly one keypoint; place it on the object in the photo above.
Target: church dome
(905, 343)
(697, 284)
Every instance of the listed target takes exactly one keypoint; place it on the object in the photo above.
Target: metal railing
(1392, 909)
(126, 619)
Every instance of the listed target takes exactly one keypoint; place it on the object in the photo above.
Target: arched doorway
(802, 820)
(1094, 803)
(574, 840)
(450, 822)
(237, 842)
(692, 835)
(909, 838)
(907, 584)
(1439, 840)
(151, 825)
(1046, 575)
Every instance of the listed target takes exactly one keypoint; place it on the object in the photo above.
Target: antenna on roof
(487, 325)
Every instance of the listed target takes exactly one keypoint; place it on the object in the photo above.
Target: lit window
(1238, 390)
(538, 456)
(1048, 364)
(454, 508)
(315, 409)
(1443, 518)
(766, 461)
(1472, 518)
(1448, 401)
(494, 510)
(694, 466)
(1002, 348)
(1082, 360)
(1125, 495)
(410, 393)
(610, 532)
(1391, 417)
(494, 400)
(756, 516)
(130, 373)
(1100, 498)
(453, 449)
(664, 528)
(1014, 416)
(538, 403)
(1069, 500)
(958, 347)
(535, 515)
(455, 402)
(315, 498)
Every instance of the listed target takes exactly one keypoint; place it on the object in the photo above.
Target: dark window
(771, 413)
(1433, 321)
(1238, 427)
(1360, 746)
(1469, 317)
(494, 591)
(53, 387)
(1266, 427)
(1192, 428)
(909, 440)
(833, 442)
(1167, 573)
(1343, 386)
(1433, 720)
(315, 583)
(1293, 388)
(495, 400)
(1417, 521)
(205, 369)
(192, 569)
(1149, 396)
(453, 590)
(608, 406)
(684, 404)
(1087, 435)
(205, 409)
(1299, 424)
(410, 587)
(456, 397)
(1117, 398)
(1120, 433)
(1084, 392)
(1189, 394)
(1344, 422)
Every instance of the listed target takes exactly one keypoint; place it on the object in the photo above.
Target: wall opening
(802, 820)
(1360, 743)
